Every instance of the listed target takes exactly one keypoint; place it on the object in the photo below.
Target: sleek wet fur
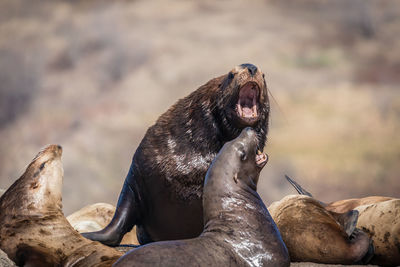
(238, 231)
(162, 191)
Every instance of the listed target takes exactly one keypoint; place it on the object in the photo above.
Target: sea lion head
(238, 163)
(243, 100)
(39, 187)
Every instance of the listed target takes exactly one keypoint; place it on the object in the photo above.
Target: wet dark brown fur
(162, 191)
(238, 228)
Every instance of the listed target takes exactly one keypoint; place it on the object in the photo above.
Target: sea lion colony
(211, 116)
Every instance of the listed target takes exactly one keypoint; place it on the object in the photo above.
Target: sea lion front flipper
(125, 217)
(347, 220)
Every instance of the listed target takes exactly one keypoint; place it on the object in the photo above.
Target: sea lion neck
(231, 181)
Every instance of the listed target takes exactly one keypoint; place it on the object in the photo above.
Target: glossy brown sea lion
(95, 217)
(311, 233)
(238, 230)
(379, 217)
(33, 229)
(340, 206)
(162, 191)
(381, 221)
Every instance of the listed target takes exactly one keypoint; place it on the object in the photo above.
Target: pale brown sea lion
(238, 230)
(340, 206)
(381, 221)
(311, 233)
(33, 229)
(95, 217)
(162, 191)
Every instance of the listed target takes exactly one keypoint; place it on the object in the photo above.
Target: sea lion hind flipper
(125, 217)
(298, 187)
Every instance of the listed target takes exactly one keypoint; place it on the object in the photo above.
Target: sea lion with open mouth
(238, 230)
(162, 191)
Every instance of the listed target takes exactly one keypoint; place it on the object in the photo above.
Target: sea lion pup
(238, 230)
(162, 192)
(340, 206)
(34, 231)
(311, 233)
(381, 221)
(95, 217)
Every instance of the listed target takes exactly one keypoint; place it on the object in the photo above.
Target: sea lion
(34, 231)
(238, 230)
(340, 206)
(381, 221)
(95, 217)
(311, 233)
(378, 216)
(162, 192)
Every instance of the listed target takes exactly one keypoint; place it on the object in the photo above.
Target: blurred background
(94, 75)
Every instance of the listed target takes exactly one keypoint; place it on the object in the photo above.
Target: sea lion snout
(251, 68)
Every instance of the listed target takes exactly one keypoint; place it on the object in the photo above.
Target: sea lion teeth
(238, 228)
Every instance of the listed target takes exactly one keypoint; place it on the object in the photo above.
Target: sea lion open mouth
(261, 159)
(247, 104)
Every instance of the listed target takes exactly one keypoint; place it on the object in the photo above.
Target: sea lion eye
(231, 75)
(242, 155)
(41, 167)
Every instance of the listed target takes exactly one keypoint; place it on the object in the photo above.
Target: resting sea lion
(162, 191)
(379, 218)
(381, 221)
(311, 233)
(33, 229)
(95, 217)
(340, 206)
(238, 230)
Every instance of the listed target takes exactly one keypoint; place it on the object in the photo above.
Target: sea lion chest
(172, 174)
